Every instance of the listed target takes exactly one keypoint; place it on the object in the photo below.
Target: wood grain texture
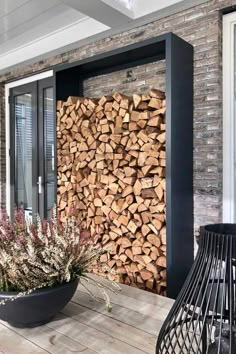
(85, 326)
(122, 314)
(49, 340)
(13, 343)
(111, 171)
(91, 337)
(112, 327)
(142, 307)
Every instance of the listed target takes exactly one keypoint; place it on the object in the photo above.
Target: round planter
(37, 308)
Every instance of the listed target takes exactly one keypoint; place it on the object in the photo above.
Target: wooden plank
(148, 297)
(131, 327)
(140, 306)
(121, 331)
(13, 343)
(90, 337)
(154, 323)
(132, 318)
(140, 294)
(50, 340)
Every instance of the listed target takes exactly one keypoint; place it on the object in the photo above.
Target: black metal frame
(36, 89)
(227, 10)
(178, 55)
(203, 318)
(42, 85)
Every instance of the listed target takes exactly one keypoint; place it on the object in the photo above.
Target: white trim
(162, 8)
(8, 86)
(229, 22)
(83, 28)
(90, 30)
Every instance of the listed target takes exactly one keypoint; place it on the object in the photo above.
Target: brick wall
(202, 27)
(139, 79)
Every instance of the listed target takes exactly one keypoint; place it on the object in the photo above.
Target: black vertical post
(179, 168)
(65, 83)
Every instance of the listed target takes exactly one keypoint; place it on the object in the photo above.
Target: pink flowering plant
(46, 253)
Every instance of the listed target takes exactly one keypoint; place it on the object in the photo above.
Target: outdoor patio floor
(85, 326)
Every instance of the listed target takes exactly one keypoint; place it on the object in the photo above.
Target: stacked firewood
(111, 168)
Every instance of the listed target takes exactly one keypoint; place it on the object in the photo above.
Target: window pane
(23, 147)
(49, 149)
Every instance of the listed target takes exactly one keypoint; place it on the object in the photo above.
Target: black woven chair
(203, 318)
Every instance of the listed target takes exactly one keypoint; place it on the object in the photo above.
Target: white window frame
(8, 86)
(229, 23)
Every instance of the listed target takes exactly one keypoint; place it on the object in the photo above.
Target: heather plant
(47, 253)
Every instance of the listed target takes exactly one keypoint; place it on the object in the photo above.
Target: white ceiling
(31, 21)
(31, 29)
(126, 3)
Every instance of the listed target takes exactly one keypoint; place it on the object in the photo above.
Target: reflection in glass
(23, 151)
(49, 150)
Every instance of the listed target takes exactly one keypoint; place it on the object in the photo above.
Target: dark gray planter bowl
(37, 308)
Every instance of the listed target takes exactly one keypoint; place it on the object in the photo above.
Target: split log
(111, 170)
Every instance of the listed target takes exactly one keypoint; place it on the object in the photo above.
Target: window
(229, 118)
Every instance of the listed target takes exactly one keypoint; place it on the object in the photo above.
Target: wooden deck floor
(85, 326)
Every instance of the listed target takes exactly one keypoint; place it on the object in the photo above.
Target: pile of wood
(111, 167)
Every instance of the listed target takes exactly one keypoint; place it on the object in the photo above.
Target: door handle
(39, 183)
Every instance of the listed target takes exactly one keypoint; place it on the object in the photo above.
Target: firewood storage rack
(178, 55)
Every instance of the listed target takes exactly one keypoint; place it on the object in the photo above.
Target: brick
(201, 26)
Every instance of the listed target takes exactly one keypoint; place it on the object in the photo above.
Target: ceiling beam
(107, 12)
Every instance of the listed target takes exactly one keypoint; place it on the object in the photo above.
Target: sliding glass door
(32, 148)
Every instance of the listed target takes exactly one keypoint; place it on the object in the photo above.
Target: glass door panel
(23, 152)
(23, 165)
(46, 128)
(49, 163)
(33, 178)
